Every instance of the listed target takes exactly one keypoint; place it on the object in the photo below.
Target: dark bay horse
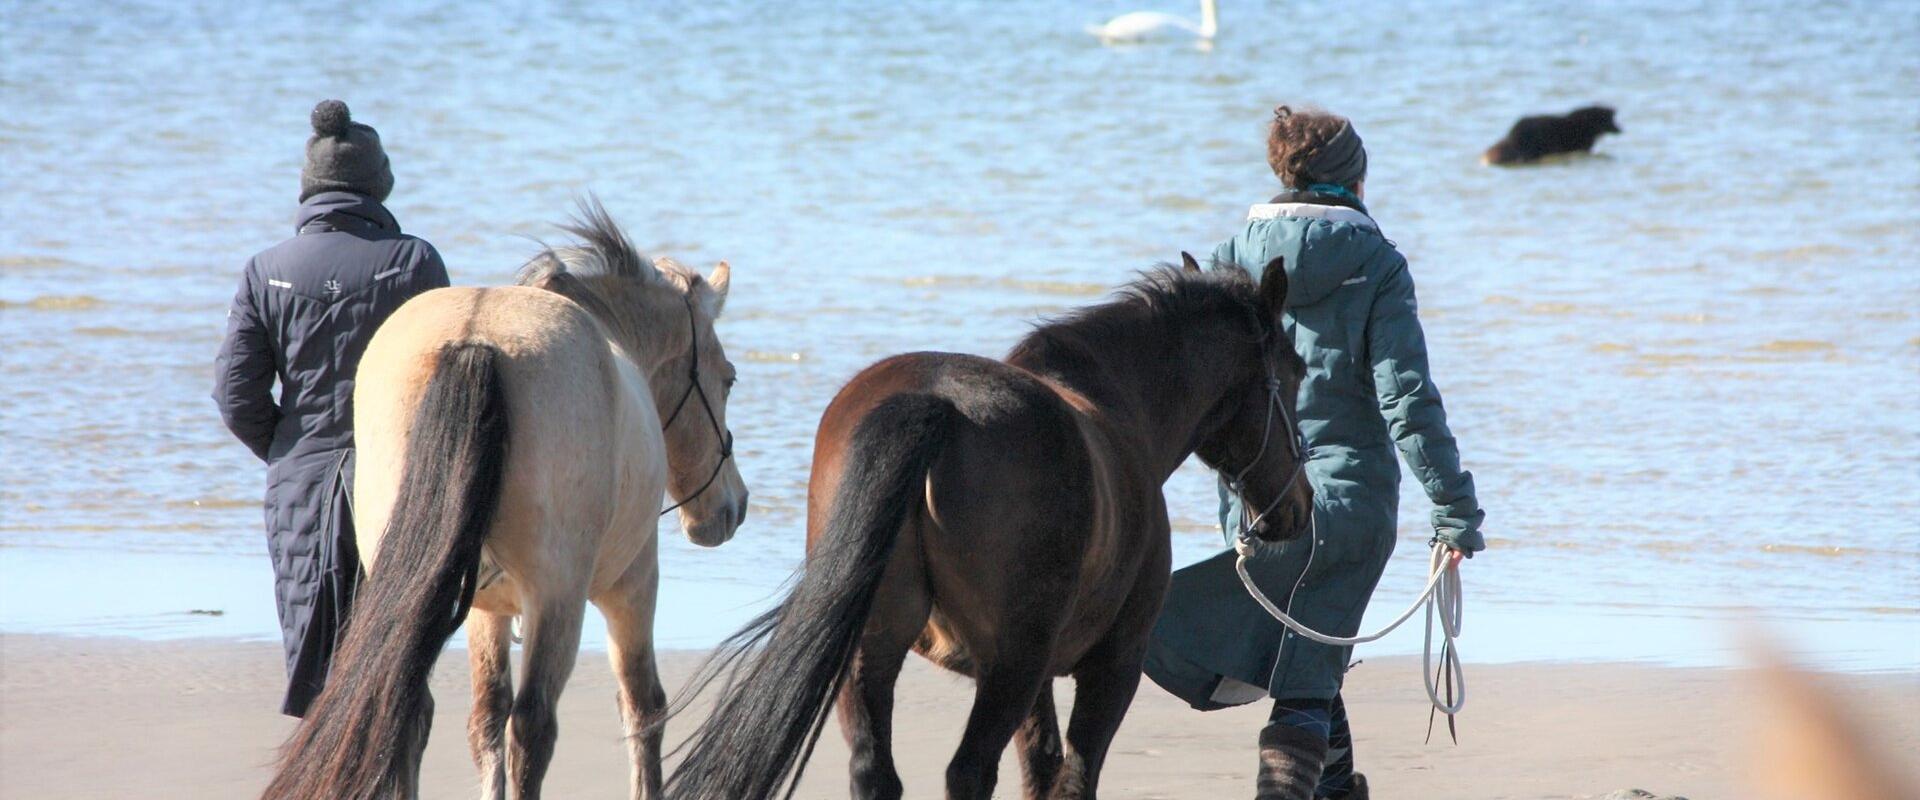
(1005, 520)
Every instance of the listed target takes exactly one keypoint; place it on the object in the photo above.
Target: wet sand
(116, 718)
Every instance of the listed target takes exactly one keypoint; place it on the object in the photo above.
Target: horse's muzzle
(1292, 520)
(719, 526)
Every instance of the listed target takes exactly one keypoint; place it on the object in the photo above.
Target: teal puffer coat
(1352, 316)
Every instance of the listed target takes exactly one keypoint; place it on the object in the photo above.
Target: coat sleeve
(431, 273)
(1415, 417)
(1242, 249)
(1227, 252)
(244, 372)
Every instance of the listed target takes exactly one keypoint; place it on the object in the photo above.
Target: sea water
(1685, 371)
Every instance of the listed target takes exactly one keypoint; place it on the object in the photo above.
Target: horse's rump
(784, 667)
(580, 462)
(1024, 479)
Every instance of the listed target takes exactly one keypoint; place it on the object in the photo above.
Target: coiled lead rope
(1441, 597)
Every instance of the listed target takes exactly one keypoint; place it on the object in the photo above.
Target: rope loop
(1442, 599)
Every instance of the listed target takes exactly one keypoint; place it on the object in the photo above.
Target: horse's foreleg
(1102, 692)
(1038, 740)
(489, 646)
(552, 642)
(643, 703)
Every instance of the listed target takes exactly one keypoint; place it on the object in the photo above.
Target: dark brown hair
(1295, 140)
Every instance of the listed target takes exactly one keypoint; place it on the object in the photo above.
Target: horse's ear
(1187, 263)
(720, 280)
(1273, 285)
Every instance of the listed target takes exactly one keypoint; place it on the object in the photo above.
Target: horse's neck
(625, 333)
(627, 343)
(646, 351)
(646, 339)
(1157, 424)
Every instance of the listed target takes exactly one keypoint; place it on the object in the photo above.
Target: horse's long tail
(776, 700)
(354, 742)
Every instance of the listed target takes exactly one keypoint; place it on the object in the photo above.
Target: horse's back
(577, 412)
(993, 400)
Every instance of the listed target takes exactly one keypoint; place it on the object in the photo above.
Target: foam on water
(1683, 370)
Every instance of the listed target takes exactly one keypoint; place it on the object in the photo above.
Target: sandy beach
(117, 718)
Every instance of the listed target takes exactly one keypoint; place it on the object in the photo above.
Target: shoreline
(164, 597)
(99, 717)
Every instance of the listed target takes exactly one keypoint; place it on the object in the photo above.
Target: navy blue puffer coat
(304, 313)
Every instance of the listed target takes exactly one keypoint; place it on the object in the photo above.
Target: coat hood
(1324, 245)
(344, 211)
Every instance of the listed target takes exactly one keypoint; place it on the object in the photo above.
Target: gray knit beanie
(344, 155)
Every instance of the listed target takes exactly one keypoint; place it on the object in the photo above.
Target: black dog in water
(1534, 138)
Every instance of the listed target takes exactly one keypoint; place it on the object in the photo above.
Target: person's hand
(1454, 557)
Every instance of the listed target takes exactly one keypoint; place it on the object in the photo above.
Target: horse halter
(693, 387)
(1296, 446)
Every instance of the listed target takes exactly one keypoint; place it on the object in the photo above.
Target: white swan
(1148, 24)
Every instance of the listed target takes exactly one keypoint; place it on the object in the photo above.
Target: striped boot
(1338, 781)
(1290, 762)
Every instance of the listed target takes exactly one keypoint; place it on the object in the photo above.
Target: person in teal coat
(1352, 316)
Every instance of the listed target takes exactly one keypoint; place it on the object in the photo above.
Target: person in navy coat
(304, 313)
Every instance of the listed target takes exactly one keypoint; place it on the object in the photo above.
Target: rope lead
(1442, 598)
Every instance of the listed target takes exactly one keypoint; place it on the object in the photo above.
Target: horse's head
(694, 384)
(661, 315)
(1251, 435)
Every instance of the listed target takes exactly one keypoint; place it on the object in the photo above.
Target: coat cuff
(1464, 541)
(1460, 530)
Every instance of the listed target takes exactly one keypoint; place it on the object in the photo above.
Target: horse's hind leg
(629, 611)
(416, 748)
(866, 699)
(1038, 740)
(1004, 698)
(489, 646)
(1103, 690)
(552, 642)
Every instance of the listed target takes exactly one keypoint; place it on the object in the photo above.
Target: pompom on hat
(344, 156)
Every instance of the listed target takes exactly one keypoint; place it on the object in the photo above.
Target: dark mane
(604, 250)
(599, 271)
(1160, 295)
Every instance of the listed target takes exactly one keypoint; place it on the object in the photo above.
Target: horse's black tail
(776, 700)
(355, 739)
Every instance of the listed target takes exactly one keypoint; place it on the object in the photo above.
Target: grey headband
(1341, 161)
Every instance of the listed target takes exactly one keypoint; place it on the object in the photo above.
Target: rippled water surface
(1686, 371)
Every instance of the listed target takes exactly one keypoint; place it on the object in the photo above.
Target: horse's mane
(591, 272)
(604, 251)
(1162, 296)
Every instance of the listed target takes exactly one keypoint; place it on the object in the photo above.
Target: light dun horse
(512, 458)
(1005, 520)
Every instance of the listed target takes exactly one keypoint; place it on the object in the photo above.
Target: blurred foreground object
(1809, 748)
